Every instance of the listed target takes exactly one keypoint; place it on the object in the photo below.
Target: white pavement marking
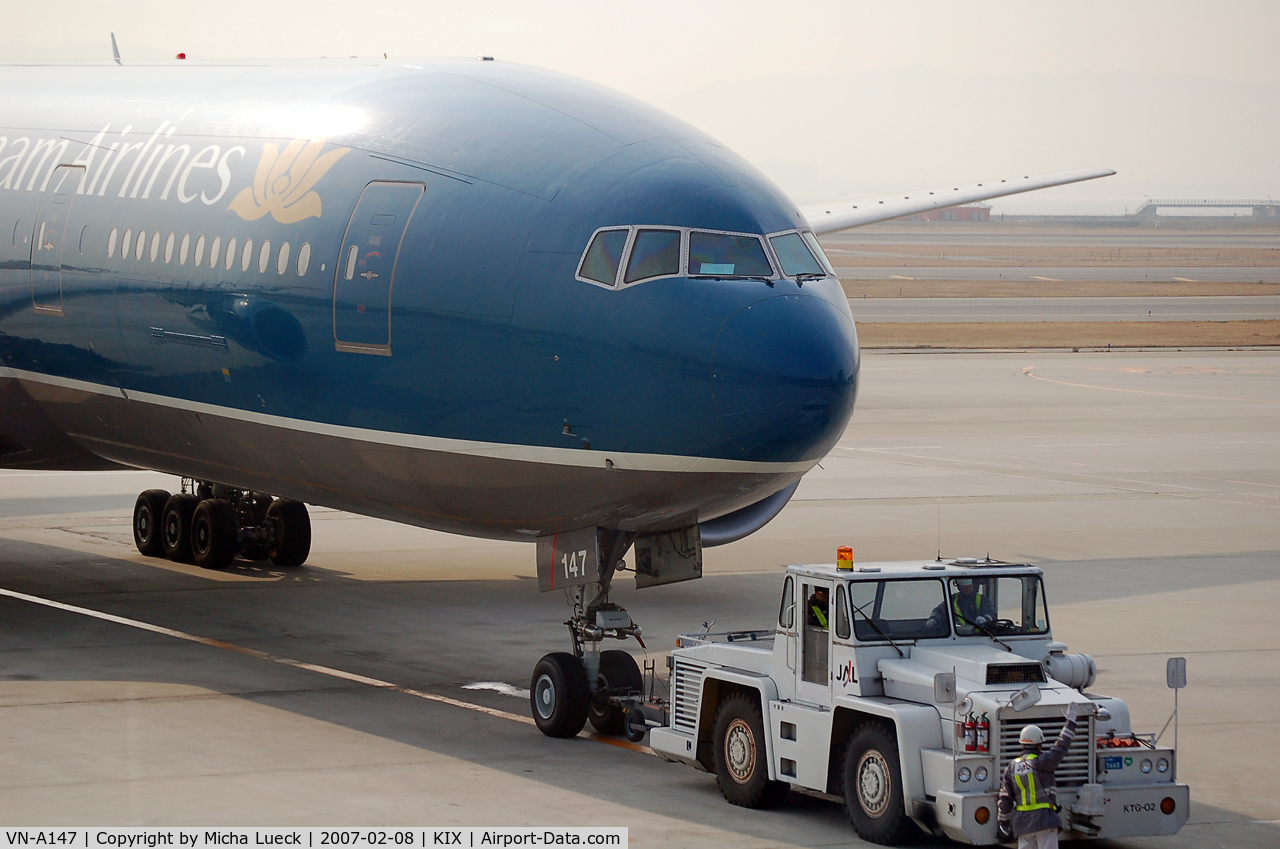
(499, 687)
(298, 664)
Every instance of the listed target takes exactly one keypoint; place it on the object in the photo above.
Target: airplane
(466, 295)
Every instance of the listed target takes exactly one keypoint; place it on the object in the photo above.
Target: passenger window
(185, 249)
(231, 254)
(111, 242)
(246, 255)
(199, 257)
(842, 614)
(214, 250)
(264, 256)
(142, 244)
(812, 241)
(601, 262)
(653, 254)
(125, 243)
(724, 255)
(282, 260)
(304, 258)
(168, 248)
(794, 255)
(155, 245)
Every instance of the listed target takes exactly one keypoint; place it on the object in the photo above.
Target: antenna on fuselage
(115, 51)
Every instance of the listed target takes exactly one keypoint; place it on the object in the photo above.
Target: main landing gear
(210, 524)
(604, 687)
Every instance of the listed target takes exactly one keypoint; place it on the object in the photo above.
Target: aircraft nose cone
(786, 373)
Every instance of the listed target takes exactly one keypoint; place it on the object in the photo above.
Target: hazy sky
(831, 99)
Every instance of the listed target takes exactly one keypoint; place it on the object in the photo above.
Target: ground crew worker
(1028, 789)
(819, 607)
(970, 605)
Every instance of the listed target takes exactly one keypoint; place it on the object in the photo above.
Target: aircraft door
(53, 228)
(365, 273)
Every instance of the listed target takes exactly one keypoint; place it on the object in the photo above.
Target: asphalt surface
(1210, 308)
(1147, 485)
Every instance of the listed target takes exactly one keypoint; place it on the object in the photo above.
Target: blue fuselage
(401, 328)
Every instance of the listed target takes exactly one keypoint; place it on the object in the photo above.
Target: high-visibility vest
(977, 607)
(1028, 800)
(821, 617)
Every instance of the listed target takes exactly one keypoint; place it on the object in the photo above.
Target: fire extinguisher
(970, 734)
(984, 733)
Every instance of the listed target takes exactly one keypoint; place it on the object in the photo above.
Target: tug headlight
(1162, 765)
(1145, 766)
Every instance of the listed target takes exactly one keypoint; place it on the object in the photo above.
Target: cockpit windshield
(812, 241)
(795, 256)
(901, 609)
(1003, 606)
(605, 252)
(726, 255)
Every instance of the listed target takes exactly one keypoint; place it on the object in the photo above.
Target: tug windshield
(897, 609)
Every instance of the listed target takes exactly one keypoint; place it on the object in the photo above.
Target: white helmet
(1031, 736)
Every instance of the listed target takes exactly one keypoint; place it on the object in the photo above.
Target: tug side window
(842, 613)
(601, 260)
(787, 610)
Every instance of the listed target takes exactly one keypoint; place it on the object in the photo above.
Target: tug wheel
(742, 768)
(873, 786)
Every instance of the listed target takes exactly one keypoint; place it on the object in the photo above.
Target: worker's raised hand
(1073, 710)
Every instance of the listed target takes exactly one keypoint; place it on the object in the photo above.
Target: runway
(1063, 274)
(912, 234)
(1231, 308)
(1147, 485)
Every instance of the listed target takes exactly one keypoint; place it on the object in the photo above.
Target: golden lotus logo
(282, 184)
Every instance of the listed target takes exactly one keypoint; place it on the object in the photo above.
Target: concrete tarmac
(1209, 308)
(1147, 485)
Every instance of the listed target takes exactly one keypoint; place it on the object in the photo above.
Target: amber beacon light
(844, 558)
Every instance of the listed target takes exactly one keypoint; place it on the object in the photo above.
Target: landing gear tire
(558, 695)
(873, 786)
(293, 532)
(214, 534)
(148, 513)
(618, 671)
(175, 527)
(742, 770)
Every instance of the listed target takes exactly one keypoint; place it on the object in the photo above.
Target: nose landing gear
(604, 687)
(210, 524)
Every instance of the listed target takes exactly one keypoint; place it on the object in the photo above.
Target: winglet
(115, 51)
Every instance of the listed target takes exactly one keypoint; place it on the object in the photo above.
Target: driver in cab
(819, 607)
(972, 607)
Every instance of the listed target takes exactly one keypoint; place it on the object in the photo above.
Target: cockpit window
(724, 255)
(812, 241)
(654, 253)
(601, 261)
(794, 255)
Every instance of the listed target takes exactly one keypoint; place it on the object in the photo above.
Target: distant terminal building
(1258, 208)
(976, 212)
